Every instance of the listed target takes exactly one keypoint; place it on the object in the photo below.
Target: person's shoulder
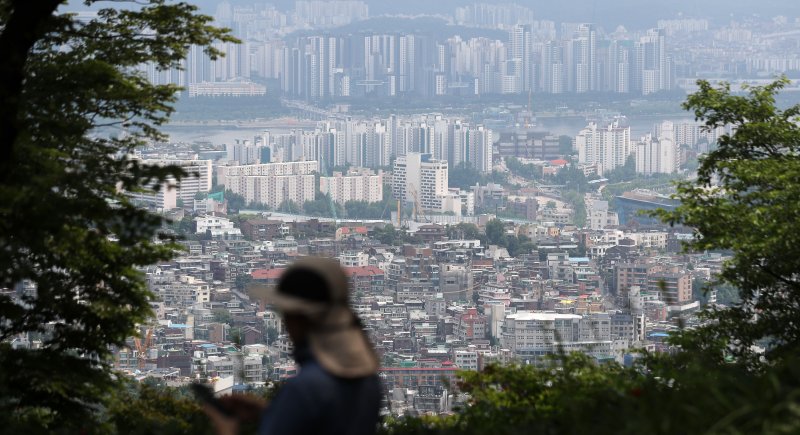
(313, 374)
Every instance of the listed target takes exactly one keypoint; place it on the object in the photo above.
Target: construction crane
(386, 207)
(529, 117)
(416, 205)
(142, 346)
(418, 210)
(383, 213)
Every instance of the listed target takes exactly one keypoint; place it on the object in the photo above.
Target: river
(218, 133)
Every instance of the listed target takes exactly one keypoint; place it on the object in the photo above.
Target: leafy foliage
(575, 394)
(527, 171)
(496, 232)
(745, 201)
(66, 225)
(235, 201)
(387, 234)
(626, 172)
(151, 407)
(289, 206)
(463, 176)
(321, 206)
(572, 178)
(324, 206)
(463, 230)
(148, 409)
(578, 203)
(367, 210)
(390, 235)
(515, 245)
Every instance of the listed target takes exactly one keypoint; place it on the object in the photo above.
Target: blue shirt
(316, 402)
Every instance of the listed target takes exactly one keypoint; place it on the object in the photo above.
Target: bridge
(311, 111)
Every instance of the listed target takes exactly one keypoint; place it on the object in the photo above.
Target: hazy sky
(609, 13)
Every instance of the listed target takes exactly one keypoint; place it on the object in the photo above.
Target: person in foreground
(337, 390)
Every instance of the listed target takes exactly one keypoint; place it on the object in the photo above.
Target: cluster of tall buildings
(373, 143)
(256, 21)
(537, 55)
(532, 59)
(608, 146)
(272, 184)
(493, 16)
(259, 28)
(317, 13)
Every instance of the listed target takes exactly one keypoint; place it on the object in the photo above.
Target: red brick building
(366, 280)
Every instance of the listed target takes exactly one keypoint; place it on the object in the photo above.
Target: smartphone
(205, 394)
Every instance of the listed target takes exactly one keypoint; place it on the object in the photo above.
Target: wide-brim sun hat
(317, 288)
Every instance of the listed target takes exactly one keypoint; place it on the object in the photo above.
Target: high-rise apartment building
(532, 58)
(418, 178)
(355, 185)
(652, 66)
(243, 152)
(463, 143)
(584, 59)
(553, 68)
(197, 180)
(272, 183)
(607, 147)
(319, 13)
(619, 67)
(658, 155)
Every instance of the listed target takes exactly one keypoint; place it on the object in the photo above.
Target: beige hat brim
(343, 348)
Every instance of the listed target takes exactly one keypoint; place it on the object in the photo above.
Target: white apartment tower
(271, 183)
(584, 53)
(353, 186)
(243, 152)
(607, 147)
(619, 69)
(653, 68)
(197, 180)
(658, 155)
(417, 177)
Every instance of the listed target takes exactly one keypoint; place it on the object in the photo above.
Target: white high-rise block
(607, 147)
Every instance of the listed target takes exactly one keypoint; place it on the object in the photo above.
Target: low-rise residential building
(216, 227)
(533, 335)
